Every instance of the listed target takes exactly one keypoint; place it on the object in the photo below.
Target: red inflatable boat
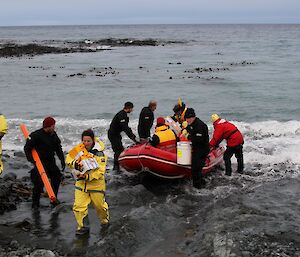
(144, 157)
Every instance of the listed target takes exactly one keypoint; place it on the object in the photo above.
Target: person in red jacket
(223, 129)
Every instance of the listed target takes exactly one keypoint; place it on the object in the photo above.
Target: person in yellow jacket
(179, 111)
(3, 131)
(89, 163)
(164, 138)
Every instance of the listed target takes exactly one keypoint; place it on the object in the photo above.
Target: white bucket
(184, 153)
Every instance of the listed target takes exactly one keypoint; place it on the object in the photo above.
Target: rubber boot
(240, 168)
(199, 183)
(116, 167)
(228, 169)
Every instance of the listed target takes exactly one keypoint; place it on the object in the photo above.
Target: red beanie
(160, 121)
(48, 122)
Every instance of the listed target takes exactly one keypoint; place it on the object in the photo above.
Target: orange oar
(40, 167)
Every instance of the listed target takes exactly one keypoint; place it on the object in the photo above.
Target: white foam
(271, 142)
(266, 142)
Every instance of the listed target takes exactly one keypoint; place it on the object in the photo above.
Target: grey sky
(68, 12)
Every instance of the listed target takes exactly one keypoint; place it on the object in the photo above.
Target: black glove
(78, 166)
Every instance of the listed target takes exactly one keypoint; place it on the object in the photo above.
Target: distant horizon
(144, 24)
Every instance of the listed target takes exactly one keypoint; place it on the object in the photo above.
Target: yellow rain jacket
(3, 131)
(164, 138)
(94, 180)
(165, 135)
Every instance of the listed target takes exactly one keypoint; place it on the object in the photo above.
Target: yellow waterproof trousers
(82, 201)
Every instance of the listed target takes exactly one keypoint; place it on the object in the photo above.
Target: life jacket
(223, 129)
(3, 124)
(183, 136)
(167, 138)
(3, 130)
(94, 181)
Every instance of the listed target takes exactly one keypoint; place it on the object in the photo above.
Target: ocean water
(248, 74)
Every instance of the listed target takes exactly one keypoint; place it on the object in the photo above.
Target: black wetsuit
(118, 124)
(145, 123)
(46, 145)
(198, 134)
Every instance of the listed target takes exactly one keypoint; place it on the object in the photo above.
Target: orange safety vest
(167, 138)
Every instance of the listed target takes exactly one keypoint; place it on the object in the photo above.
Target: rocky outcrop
(12, 191)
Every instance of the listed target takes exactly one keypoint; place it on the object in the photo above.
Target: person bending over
(224, 129)
(146, 120)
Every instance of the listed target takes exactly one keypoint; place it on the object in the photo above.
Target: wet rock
(26, 224)
(10, 176)
(12, 191)
(246, 254)
(16, 50)
(14, 244)
(29, 49)
(243, 63)
(222, 246)
(42, 253)
(19, 154)
(126, 42)
(209, 69)
(4, 190)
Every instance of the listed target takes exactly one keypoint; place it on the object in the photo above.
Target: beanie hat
(160, 121)
(48, 122)
(190, 113)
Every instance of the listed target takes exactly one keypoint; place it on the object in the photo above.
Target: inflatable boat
(165, 164)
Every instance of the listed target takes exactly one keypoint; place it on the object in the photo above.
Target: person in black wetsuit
(198, 134)
(146, 120)
(46, 142)
(118, 124)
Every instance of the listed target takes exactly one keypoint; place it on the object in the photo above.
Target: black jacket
(145, 122)
(198, 134)
(120, 123)
(46, 145)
